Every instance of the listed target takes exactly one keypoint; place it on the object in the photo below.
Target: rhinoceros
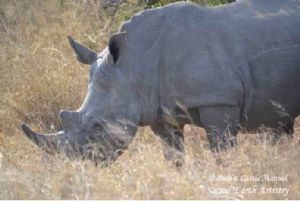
(220, 68)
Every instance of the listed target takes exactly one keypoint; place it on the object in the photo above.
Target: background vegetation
(39, 75)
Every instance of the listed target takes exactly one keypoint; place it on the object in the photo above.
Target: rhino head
(107, 120)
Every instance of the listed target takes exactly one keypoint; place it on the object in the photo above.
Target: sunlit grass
(142, 172)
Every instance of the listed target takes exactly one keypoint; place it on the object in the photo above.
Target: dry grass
(39, 76)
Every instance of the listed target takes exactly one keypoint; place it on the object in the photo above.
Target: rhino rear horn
(84, 55)
(69, 119)
(48, 143)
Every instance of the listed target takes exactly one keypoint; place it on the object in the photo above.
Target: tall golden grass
(40, 75)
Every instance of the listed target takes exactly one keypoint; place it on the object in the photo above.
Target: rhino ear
(84, 55)
(116, 45)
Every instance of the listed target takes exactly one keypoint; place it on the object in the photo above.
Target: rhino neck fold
(143, 64)
(148, 95)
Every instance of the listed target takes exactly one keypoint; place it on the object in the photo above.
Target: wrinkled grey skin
(218, 68)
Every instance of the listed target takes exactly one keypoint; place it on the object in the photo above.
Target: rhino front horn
(48, 143)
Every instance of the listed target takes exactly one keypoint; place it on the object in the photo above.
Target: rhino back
(209, 49)
(203, 56)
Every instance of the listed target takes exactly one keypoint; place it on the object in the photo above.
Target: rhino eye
(98, 126)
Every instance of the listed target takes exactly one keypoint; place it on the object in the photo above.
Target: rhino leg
(221, 124)
(172, 140)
